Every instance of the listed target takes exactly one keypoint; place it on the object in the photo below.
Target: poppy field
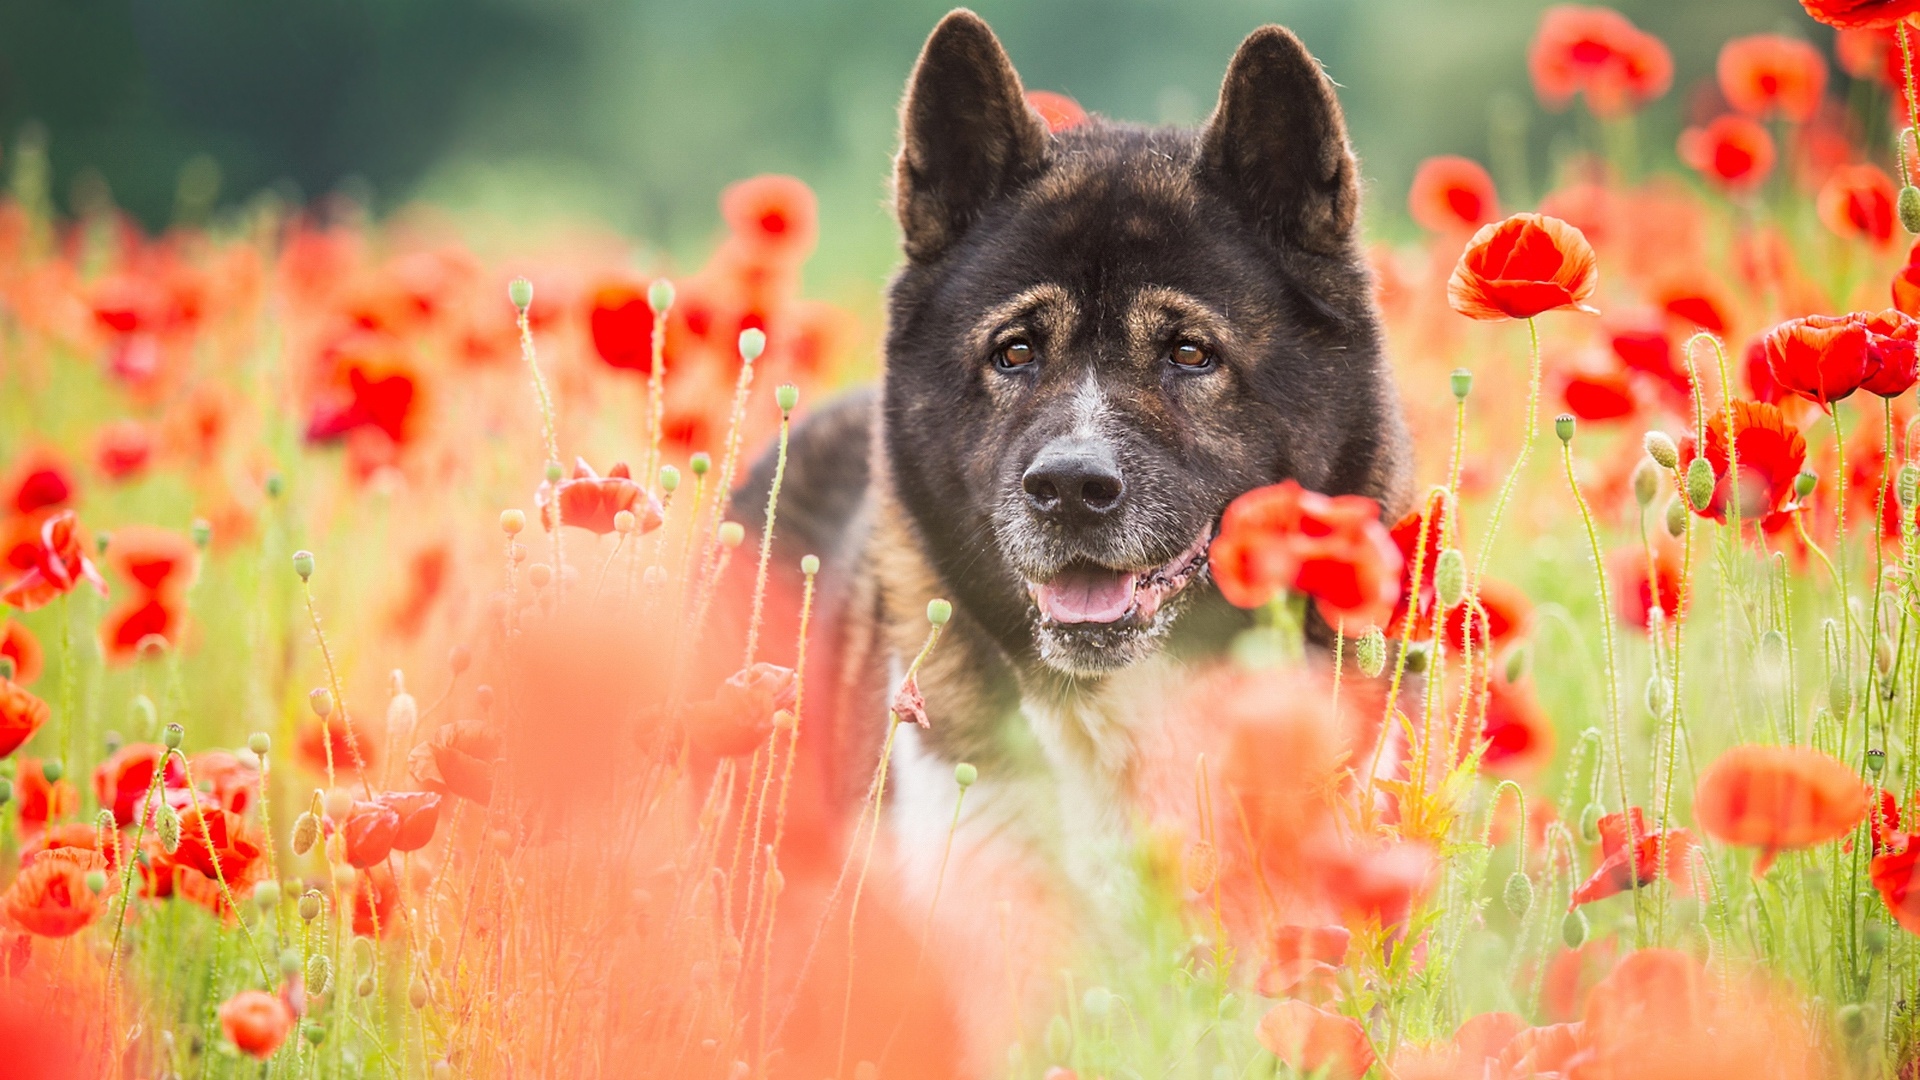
(391, 684)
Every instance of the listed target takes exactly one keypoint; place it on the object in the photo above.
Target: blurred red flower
(590, 501)
(1303, 957)
(207, 834)
(1733, 152)
(257, 1022)
(1823, 358)
(457, 760)
(1517, 735)
(1890, 353)
(774, 217)
(1777, 798)
(1598, 395)
(376, 902)
(1627, 860)
(1314, 1041)
(1906, 281)
(739, 716)
(1769, 451)
(1375, 887)
(1764, 74)
(1331, 548)
(370, 829)
(21, 714)
(621, 323)
(1857, 203)
(153, 559)
(1452, 194)
(59, 562)
(1869, 53)
(121, 781)
(1058, 110)
(1635, 594)
(375, 387)
(18, 644)
(39, 800)
(419, 813)
(1598, 52)
(1861, 14)
(122, 449)
(39, 480)
(134, 621)
(317, 738)
(232, 782)
(50, 897)
(1521, 267)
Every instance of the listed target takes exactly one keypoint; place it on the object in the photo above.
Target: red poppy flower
(1598, 52)
(1452, 194)
(312, 747)
(376, 902)
(122, 449)
(1896, 874)
(369, 828)
(739, 716)
(1890, 353)
(1517, 735)
(621, 323)
(1376, 887)
(59, 562)
(1906, 283)
(1869, 54)
(39, 801)
(18, 644)
(1857, 203)
(153, 559)
(419, 813)
(1733, 152)
(257, 1022)
(774, 216)
(377, 389)
(458, 760)
(1861, 14)
(1058, 110)
(1624, 858)
(1313, 1041)
(21, 714)
(1547, 1050)
(121, 781)
(1507, 611)
(1635, 594)
(50, 898)
(1521, 267)
(1694, 299)
(1598, 395)
(208, 833)
(1331, 548)
(1777, 798)
(590, 501)
(1770, 73)
(1303, 956)
(76, 835)
(232, 782)
(140, 617)
(1406, 536)
(1770, 454)
(39, 480)
(1823, 358)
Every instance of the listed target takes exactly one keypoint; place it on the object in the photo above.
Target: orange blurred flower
(59, 562)
(1598, 395)
(1598, 52)
(376, 902)
(739, 716)
(1906, 283)
(1764, 74)
(317, 738)
(257, 1022)
(1522, 267)
(136, 619)
(39, 480)
(40, 801)
(458, 760)
(1635, 595)
(232, 782)
(774, 217)
(1452, 194)
(18, 644)
(1303, 958)
(1823, 358)
(1733, 152)
(21, 714)
(50, 897)
(1631, 854)
(1058, 110)
(590, 501)
(1331, 548)
(1857, 203)
(1777, 798)
(1376, 886)
(1313, 1040)
(1517, 735)
(1869, 54)
(153, 559)
(122, 449)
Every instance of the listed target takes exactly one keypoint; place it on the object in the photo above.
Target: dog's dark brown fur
(1102, 249)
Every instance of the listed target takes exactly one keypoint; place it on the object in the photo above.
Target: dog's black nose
(1073, 478)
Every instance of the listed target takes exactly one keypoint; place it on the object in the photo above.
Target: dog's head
(1102, 335)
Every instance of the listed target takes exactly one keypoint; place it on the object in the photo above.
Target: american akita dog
(1100, 337)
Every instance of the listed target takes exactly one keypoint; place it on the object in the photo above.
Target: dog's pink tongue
(1079, 596)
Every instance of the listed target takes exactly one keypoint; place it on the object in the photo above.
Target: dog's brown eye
(1015, 354)
(1190, 355)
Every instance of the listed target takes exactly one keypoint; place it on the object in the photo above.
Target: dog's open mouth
(1088, 594)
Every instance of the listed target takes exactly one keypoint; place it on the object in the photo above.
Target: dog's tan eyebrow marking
(1156, 308)
(1047, 306)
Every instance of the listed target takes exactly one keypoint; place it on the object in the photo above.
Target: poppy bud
(96, 881)
(1518, 894)
(306, 831)
(1573, 928)
(700, 463)
(512, 521)
(6, 667)
(1907, 487)
(6, 791)
(483, 697)
(783, 720)
(1840, 696)
(53, 770)
(1851, 1017)
(319, 973)
(1462, 381)
(1700, 483)
(520, 292)
(669, 479)
(1910, 208)
(102, 542)
(1657, 696)
(1563, 427)
(259, 743)
(660, 296)
(315, 1034)
(540, 575)
(939, 611)
(1516, 667)
(1661, 449)
(1450, 578)
(1876, 937)
(459, 659)
(321, 699)
(275, 485)
(172, 736)
(289, 962)
(786, 395)
(732, 534)
(1590, 823)
(402, 714)
(310, 904)
(1676, 517)
(1646, 482)
(1097, 1000)
(623, 522)
(1416, 658)
(1803, 483)
(1202, 862)
(965, 774)
(364, 987)
(809, 564)
(166, 822)
(1876, 761)
(1372, 652)
(339, 804)
(202, 532)
(417, 993)
(267, 895)
(303, 564)
(554, 472)
(753, 342)
(442, 1071)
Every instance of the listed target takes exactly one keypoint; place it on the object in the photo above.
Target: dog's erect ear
(966, 134)
(1277, 145)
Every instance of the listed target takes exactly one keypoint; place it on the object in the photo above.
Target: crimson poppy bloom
(21, 714)
(1331, 548)
(1777, 798)
(1598, 52)
(318, 738)
(139, 617)
(1823, 358)
(232, 782)
(1906, 283)
(376, 902)
(59, 562)
(775, 217)
(590, 501)
(1377, 886)
(1733, 152)
(1516, 737)
(38, 481)
(1521, 267)
(1629, 860)
(1506, 609)
(1769, 452)
(370, 829)
(207, 834)
(1546, 1050)
(1890, 353)
(1861, 14)
(1314, 1041)
(1058, 110)
(419, 813)
(18, 644)
(39, 801)
(1857, 203)
(122, 450)
(73, 834)
(1765, 74)
(257, 1022)
(1598, 395)
(50, 898)
(458, 760)
(1635, 593)
(121, 781)
(376, 388)
(153, 559)
(1303, 956)
(1452, 194)
(739, 716)
(621, 323)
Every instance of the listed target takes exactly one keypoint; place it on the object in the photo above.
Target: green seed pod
(1516, 666)
(512, 521)
(1573, 928)
(1676, 517)
(1450, 578)
(752, 343)
(96, 881)
(417, 993)
(554, 472)
(660, 296)
(102, 542)
(786, 395)
(1658, 696)
(520, 293)
(321, 700)
(700, 463)
(275, 485)
(1803, 483)
(732, 534)
(669, 479)
(1462, 382)
(1772, 648)
(166, 823)
(310, 904)
(6, 667)
(1875, 936)
(1097, 1001)
(1590, 823)
(1416, 658)
(306, 833)
(809, 564)
(1518, 894)
(303, 564)
(939, 612)
(1852, 1019)
(1700, 483)
(1372, 652)
(364, 988)
(1840, 696)
(315, 1034)
(172, 736)
(52, 769)
(202, 532)
(289, 961)
(1646, 482)
(267, 895)
(319, 973)
(1910, 208)
(1563, 427)
(6, 790)
(1660, 448)
(259, 742)
(1876, 761)
(965, 774)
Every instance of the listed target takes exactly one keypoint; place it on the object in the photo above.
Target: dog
(1099, 337)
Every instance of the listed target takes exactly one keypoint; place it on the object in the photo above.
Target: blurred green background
(636, 112)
